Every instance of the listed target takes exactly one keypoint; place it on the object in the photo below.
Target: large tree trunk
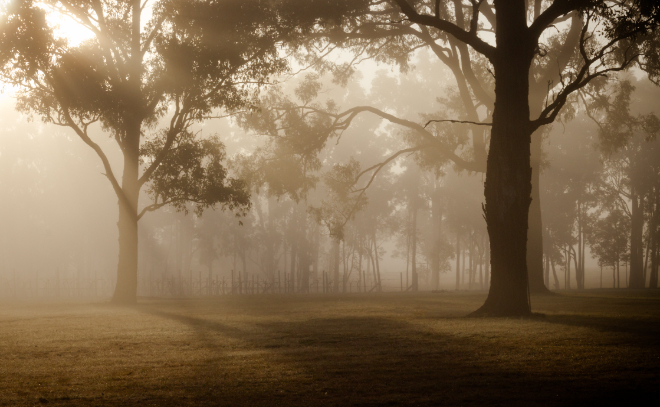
(127, 267)
(509, 175)
(535, 230)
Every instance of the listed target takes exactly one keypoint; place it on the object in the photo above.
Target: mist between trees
(324, 148)
(58, 232)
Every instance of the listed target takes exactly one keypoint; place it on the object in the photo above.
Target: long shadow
(379, 361)
(642, 331)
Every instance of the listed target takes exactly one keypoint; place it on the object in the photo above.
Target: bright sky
(66, 27)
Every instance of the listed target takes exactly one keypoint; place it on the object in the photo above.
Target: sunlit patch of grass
(589, 347)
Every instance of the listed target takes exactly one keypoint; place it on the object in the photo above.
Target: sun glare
(65, 27)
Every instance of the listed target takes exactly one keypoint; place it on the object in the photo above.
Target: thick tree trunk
(535, 230)
(509, 175)
(636, 242)
(127, 266)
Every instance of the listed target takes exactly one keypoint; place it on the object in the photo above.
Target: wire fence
(150, 285)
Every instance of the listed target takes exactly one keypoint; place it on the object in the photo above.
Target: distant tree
(339, 207)
(631, 152)
(609, 244)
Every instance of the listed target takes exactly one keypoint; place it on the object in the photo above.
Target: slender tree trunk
(458, 261)
(415, 281)
(471, 262)
(546, 272)
(614, 271)
(647, 253)
(481, 264)
(636, 242)
(408, 241)
(568, 268)
(360, 271)
(294, 256)
(579, 271)
(335, 272)
(653, 281)
(463, 262)
(436, 214)
(554, 274)
(509, 175)
(304, 263)
(380, 287)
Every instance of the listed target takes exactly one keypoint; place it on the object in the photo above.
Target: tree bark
(509, 175)
(535, 230)
(127, 266)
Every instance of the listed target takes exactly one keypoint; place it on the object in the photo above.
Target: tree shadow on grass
(642, 332)
(377, 361)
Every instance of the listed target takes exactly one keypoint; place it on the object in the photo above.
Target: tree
(369, 32)
(613, 36)
(609, 244)
(146, 82)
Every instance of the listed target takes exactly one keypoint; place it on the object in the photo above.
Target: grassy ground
(391, 349)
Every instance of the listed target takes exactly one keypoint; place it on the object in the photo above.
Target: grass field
(591, 348)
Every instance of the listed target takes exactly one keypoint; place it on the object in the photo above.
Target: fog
(329, 202)
(58, 211)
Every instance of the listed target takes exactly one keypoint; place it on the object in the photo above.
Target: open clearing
(591, 348)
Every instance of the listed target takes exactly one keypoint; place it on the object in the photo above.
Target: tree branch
(469, 38)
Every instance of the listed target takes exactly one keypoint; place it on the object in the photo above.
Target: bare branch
(457, 121)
